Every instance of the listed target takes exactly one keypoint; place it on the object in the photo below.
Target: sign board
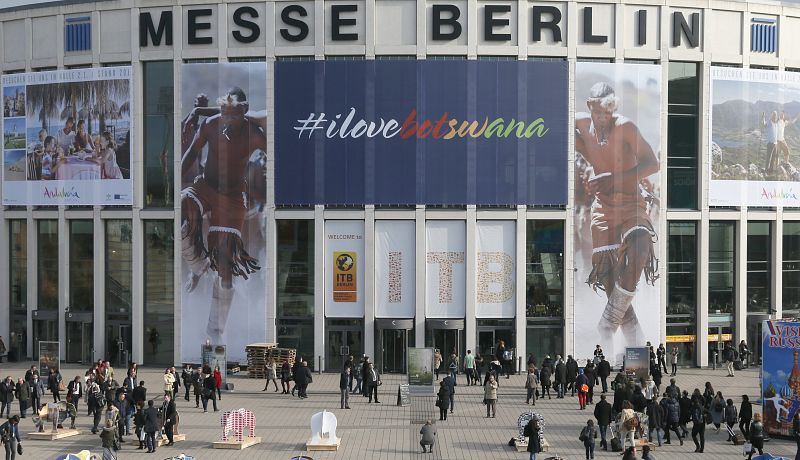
(404, 395)
(344, 276)
(49, 357)
(637, 362)
(420, 367)
(780, 375)
(690, 338)
(216, 355)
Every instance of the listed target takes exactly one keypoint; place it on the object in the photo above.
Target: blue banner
(780, 375)
(421, 132)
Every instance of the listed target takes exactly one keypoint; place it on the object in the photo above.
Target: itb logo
(763, 35)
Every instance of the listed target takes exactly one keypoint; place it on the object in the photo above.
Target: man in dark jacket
(302, 378)
(123, 405)
(344, 387)
(729, 355)
(23, 394)
(560, 377)
(591, 375)
(638, 400)
(450, 384)
(186, 376)
(698, 425)
(619, 397)
(544, 379)
(673, 389)
(686, 412)
(572, 373)
(7, 388)
(373, 379)
(602, 412)
(364, 369)
(151, 425)
(209, 392)
(603, 371)
(673, 416)
(197, 386)
(661, 353)
(655, 420)
(140, 394)
(746, 416)
(170, 415)
(349, 364)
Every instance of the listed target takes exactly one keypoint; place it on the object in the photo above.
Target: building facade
(106, 280)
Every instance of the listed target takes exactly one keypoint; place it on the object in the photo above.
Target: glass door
(80, 336)
(43, 330)
(118, 344)
(717, 335)
(393, 356)
(486, 343)
(343, 340)
(447, 341)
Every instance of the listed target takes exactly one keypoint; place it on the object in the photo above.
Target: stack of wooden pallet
(257, 358)
(282, 354)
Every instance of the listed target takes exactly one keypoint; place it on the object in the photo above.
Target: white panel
(789, 34)
(292, 30)
(344, 236)
(630, 38)
(396, 22)
(359, 28)
(511, 28)
(495, 249)
(115, 31)
(462, 19)
(727, 37)
(14, 41)
(446, 278)
(44, 31)
(395, 269)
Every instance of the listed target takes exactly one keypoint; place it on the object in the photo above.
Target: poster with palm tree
(77, 138)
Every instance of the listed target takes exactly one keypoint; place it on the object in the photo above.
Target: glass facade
(683, 139)
(81, 265)
(759, 258)
(791, 269)
(158, 140)
(18, 288)
(47, 264)
(721, 267)
(682, 288)
(119, 274)
(295, 286)
(158, 292)
(544, 269)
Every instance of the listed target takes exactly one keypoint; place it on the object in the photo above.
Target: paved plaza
(384, 431)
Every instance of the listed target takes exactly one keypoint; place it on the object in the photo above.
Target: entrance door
(486, 343)
(43, 330)
(118, 343)
(717, 336)
(342, 341)
(394, 344)
(80, 336)
(447, 341)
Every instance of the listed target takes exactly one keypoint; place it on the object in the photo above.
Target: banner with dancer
(67, 137)
(780, 375)
(223, 171)
(617, 207)
(754, 140)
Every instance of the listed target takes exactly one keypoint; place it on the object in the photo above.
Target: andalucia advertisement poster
(780, 375)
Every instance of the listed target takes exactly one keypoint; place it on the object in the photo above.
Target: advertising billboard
(754, 140)
(617, 206)
(637, 362)
(344, 285)
(780, 375)
(395, 269)
(67, 137)
(420, 132)
(223, 196)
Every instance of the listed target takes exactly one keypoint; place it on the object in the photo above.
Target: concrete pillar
(470, 323)
(319, 287)
(521, 316)
(369, 282)
(740, 309)
(776, 266)
(421, 266)
(99, 326)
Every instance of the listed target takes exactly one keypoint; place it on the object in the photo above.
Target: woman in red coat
(218, 380)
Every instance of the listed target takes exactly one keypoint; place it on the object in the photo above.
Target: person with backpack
(673, 416)
(602, 412)
(731, 417)
(629, 425)
(655, 420)
(587, 436)
(531, 431)
(718, 410)
(698, 425)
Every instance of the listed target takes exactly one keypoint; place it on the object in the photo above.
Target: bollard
(319, 366)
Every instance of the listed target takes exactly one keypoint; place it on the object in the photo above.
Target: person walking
(197, 386)
(673, 417)
(170, 415)
(661, 353)
(7, 388)
(96, 402)
(23, 394)
(373, 381)
(698, 425)
(437, 362)
(731, 417)
(186, 376)
(451, 389)
(602, 413)
(138, 425)
(428, 439)
(9, 434)
(478, 368)
(544, 379)
(655, 421)
(169, 380)
(209, 391)
(469, 367)
(531, 431)
(582, 382)
(591, 376)
(746, 416)
(304, 376)
(674, 360)
(729, 356)
(344, 388)
(572, 373)
(708, 395)
(443, 400)
(37, 391)
(603, 371)
(108, 436)
(530, 386)
(452, 367)
(629, 425)
(718, 410)
(364, 370)
(490, 396)
(560, 377)
(151, 426)
(685, 405)
(587, 436)
(756, 436)
(218, 382)
(54, 384)
(500, 356)
(75, 391)
(286, 377)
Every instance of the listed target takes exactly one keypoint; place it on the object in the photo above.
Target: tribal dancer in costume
(220, 192)
(622, 234)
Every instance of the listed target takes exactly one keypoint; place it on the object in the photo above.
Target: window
(791, 269)
(295, 285)
(81, 265)
(721, 267)
(682, 288)
(18, 289)
(119, 261)
(159, 312)
(544, 254)
(682, 135)
(759, 258)
(158, 119)
(47, 264)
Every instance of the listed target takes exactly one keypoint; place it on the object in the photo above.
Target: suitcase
(738, 365)
(738, 440)
(616, 445)
(229, 386)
